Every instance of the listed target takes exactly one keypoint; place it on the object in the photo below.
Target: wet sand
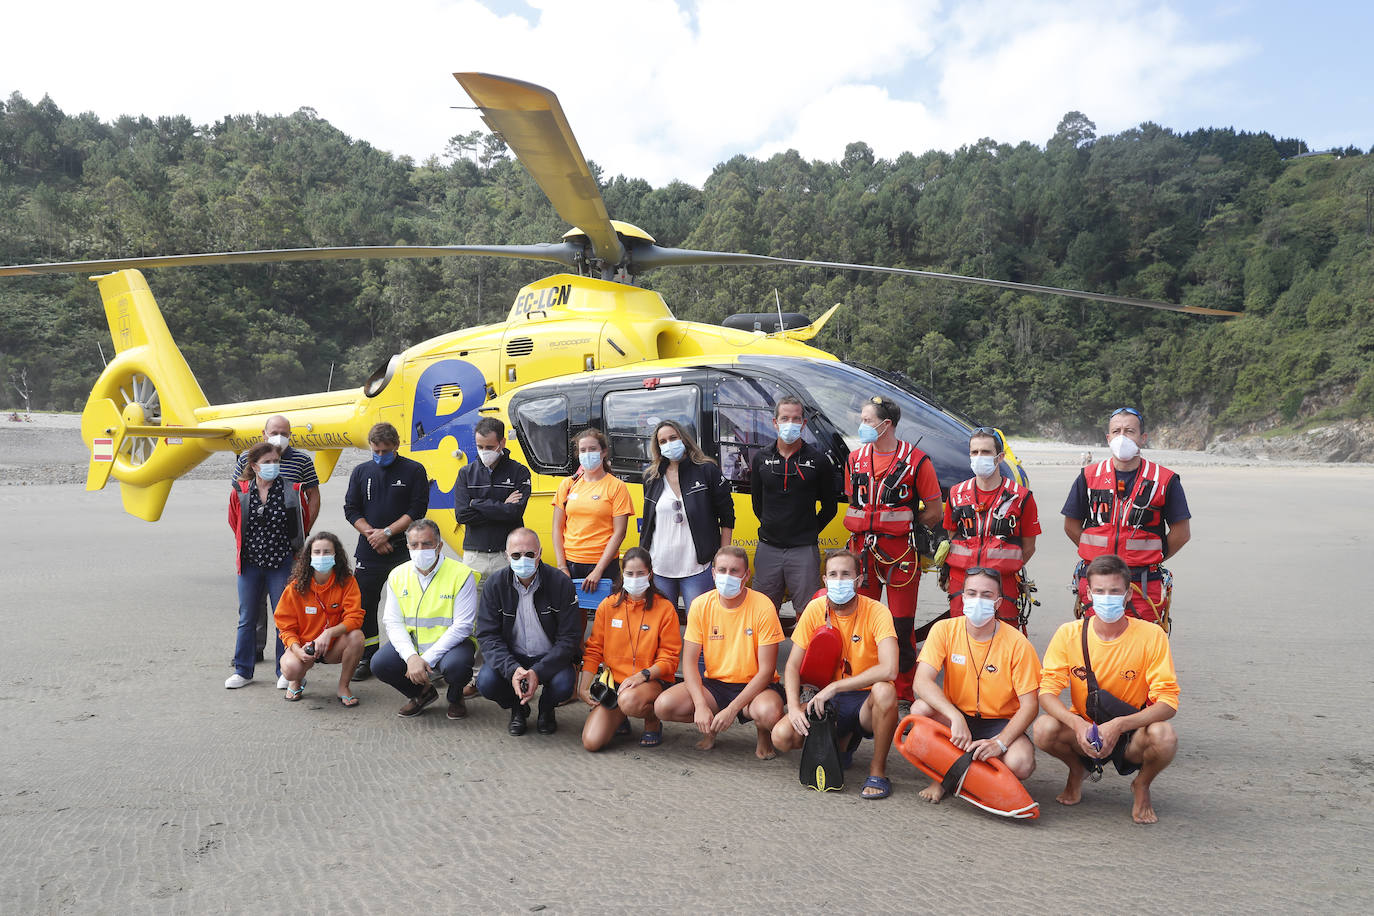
(131, 780)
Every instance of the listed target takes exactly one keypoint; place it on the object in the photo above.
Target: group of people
(523, 616)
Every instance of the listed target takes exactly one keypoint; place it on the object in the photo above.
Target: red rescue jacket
(991, 538)
(1132, 528)
(886, 507)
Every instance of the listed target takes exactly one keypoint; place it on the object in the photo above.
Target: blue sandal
(877, 782)
(294, 695)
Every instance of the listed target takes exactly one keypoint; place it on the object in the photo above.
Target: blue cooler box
(591, 600)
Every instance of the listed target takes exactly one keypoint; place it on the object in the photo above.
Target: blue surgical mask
(524, 567)
(867, 434)
(979, 610)
(789, 432)
(983, 465)
(729, 586)
(673, 450)
(384, 460)
(322, 563)
(590, 461)
(840, 591)
(1109, 607)
(269, 470)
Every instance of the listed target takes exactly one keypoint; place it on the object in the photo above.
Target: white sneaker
(236, 681)
(281, 682)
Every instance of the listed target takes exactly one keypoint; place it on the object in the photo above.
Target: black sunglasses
(989, 431)
(528, 554)
(982, 571)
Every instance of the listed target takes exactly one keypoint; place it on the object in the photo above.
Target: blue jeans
(455, 665)
(498, 689)
(253, 582)
(689, 588)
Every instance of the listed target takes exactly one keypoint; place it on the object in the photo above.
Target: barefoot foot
(1073, 789)
(1142, 810)
(764, 750)
(705, 744)
(933, 792)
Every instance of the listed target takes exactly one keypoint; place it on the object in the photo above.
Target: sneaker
(458, 709)
(363, 671)
(237, 680)
(417, 705)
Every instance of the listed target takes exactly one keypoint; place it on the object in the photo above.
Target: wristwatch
(648, 675)
(387, 532)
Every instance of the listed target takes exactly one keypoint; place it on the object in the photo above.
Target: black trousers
(372, 576)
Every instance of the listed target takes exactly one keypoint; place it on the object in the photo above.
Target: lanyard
(978, 678)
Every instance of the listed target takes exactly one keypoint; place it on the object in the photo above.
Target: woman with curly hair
(320, 617)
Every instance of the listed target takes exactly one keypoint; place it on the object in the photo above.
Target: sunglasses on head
(982, 571)
(528, 554)
(989, 431)
(1130, 410)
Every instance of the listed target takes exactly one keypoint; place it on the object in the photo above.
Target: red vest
(991, 538)
(883, 507)
(1132, 528)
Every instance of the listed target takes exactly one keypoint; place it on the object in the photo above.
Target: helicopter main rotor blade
(565, 253)
(531, 122)
(650, 256)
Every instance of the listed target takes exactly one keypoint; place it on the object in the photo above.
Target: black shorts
(847, 706)
(983, 729)
(724, 693)
(1118, 757)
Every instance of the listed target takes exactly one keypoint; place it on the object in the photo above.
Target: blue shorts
(983, 729)
(847, 706)
(724, 693)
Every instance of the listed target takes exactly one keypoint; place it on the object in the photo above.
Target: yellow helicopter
(582, 348)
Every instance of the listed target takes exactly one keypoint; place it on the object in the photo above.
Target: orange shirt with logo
(302, 618)
(860, 632)
(730, 638)
(629, 638)
(590, 507)
(983, 678)
(1136, 667)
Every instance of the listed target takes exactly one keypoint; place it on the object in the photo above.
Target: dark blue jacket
(479, 502)
(555, 601)
(705, 498)
(383, 494)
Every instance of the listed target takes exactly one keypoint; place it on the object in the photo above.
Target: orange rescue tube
(987, 784)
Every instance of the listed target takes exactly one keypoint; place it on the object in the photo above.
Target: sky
(666, 89)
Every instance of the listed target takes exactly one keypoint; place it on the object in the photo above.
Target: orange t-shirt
(591, 507)
(860, 633)
(983, 678)
(1135, 667)
(730, 639)
(301, 618)
(629, 638)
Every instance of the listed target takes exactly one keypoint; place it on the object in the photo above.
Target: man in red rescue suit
(992, 522)
(1131, 507)
(892, 489)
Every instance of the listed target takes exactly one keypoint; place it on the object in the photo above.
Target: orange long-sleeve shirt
(629, 638)
(301, 618)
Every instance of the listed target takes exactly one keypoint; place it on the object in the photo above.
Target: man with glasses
(792, 485)
(992, 522)
(892, 489)
(530, 629)
(1133, 508)
(429, 606)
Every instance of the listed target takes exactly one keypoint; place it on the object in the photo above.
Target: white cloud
(654, 88)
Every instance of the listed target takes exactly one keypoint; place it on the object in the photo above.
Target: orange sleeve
(669, 640)
(593, 649)
(807, 623)
(621, 503)
(1025, 668)
(695, 627)
(287, 615)
(560, 498)
(936, 647)
(352, 606)
(766, 619)
(880, 623)
(1161, 677)
(1054, 674)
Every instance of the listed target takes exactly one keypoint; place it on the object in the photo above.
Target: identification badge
(311, 610)
(957, 659)
(616, 623)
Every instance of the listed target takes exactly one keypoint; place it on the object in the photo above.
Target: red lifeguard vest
(883, 508)
(1132, 528)
(992, 538)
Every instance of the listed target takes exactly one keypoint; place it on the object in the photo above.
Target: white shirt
(674, 552)
(464, 617)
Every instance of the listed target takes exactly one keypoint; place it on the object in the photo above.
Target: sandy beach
(132, 781)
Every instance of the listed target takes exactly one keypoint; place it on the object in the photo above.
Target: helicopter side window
(542, 426)
(744, 424)
(629, 418)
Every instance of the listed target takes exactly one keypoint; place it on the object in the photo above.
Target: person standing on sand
(1130, 660)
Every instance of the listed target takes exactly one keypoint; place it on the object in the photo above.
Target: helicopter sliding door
(631, 408)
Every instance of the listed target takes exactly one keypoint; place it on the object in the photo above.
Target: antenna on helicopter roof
(778, 301)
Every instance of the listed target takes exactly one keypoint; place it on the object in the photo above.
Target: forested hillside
(1212, 217)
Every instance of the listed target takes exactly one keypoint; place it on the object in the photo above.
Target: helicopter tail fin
(139, 421)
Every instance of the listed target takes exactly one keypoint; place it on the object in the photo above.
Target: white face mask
(636, 585)
(979, 610)
(729, 586)
(1123, 448)
(983, 465)
(789, 432)
(279, 441)
(488, 456)
(425, 558)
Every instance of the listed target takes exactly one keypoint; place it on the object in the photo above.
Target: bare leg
(350, 653)
(1020, 757)
(765, 709)
(1057, 740)
(676, 705)
(879, 716)
(935, 791)
(1153, 747)
(638, 703)
(294, 670)
(600, 727)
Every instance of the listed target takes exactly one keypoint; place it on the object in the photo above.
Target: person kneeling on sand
(635, 636)
(991, 677)
(737, 631)
(429, 606)
(320, 617)
(862, 693)
(1126, 658)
